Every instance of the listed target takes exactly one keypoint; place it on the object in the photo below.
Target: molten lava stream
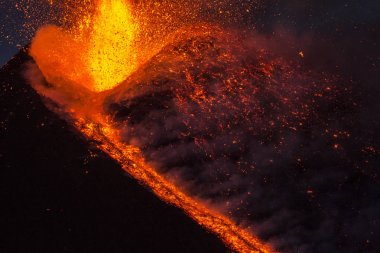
(132, 161)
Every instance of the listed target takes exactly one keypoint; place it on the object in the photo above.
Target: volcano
(267, 143)
(215, 129)
(61, 194)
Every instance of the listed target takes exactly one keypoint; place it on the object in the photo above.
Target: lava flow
(132, 161)
(83, 65)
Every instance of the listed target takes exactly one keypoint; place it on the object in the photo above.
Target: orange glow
(98, 53)
(112, 54)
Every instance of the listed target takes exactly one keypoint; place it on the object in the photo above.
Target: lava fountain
(98, 53)
(106, 53)
(112, 53)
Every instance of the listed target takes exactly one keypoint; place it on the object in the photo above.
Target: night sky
(339, 19)
(11, 23)
(329, 203)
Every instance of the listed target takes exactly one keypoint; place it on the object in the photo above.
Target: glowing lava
(132, 161)
(98, 53)
(112, 53)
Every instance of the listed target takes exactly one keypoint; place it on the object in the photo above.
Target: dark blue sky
(10, 22)
(7, 51)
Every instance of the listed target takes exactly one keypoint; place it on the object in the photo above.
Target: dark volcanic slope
(59, 194)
